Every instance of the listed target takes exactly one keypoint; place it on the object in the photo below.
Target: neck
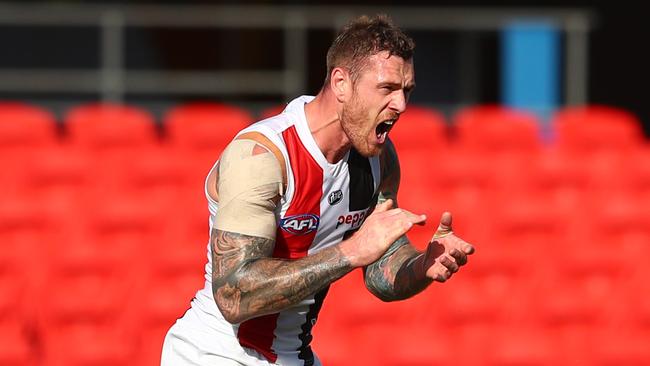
(325, 126)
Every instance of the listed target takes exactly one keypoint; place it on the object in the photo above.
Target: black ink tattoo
(247, 283)
(393, 276)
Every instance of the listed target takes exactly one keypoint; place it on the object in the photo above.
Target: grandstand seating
(204, 128)
(497, 129)
(103, 231)
(589, 129)
(24, 126)
(102, 127)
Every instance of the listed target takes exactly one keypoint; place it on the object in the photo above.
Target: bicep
(230, 250)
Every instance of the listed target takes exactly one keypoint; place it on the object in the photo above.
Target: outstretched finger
(438, 272)
(444, 228)
(449, 263)
(393, 229)
(408, 216)
(459, 256)
(468, 248)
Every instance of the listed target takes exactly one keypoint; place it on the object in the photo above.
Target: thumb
(444, 227)
(384, 206)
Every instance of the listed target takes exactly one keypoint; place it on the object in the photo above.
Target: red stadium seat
(85, 297)
(161, 176)
(57, 177)
(89, 344)
(593, 128)
(204, 129)
(516, 345)
(421, 129)
(497, 129)
(16, 349)
(25, 126)
(23, 130)
(634, 170)
(15, 293)
(25, 232)
(625, 348)
(164, 298)
(105, 127)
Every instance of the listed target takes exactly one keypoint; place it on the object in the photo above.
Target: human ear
(341, 84)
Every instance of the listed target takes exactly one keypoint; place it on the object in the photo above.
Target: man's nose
(398, 102)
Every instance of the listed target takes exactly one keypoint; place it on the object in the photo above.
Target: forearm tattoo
(247, 283)
(393, 277)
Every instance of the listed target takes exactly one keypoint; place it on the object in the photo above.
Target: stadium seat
(24, 129)
(23, 126)
(620, 219)
(89, 344)
(160, 176)
(494, 129)
(164, 298)
(128, 226)
(554, 176)
(624, 348)
(516, 345)
(593, 128)
(15, 293)
(204, 129)
(421, 129)
(110, 128)
(24, 232)
(57, 178)
(16, 348)
(634, 170)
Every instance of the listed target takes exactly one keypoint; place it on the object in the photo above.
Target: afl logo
(335, 197)
(300, 224)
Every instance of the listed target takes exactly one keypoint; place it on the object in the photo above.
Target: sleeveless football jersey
(323, 203)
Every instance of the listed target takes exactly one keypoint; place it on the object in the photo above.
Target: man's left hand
(446, 252)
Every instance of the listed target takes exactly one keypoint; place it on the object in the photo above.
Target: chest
(326, 205)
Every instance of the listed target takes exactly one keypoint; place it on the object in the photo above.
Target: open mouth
(383, 129)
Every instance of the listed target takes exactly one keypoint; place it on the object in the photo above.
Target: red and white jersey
(322, 204)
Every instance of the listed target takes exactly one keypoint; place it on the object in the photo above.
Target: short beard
(351, 118)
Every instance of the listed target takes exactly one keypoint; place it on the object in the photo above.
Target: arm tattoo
(393, 276)
(247, 283)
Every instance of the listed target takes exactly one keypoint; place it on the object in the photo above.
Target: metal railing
(112, 80)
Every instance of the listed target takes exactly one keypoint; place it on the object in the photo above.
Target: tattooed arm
(246, 281)
(381, 277)
(403, 271)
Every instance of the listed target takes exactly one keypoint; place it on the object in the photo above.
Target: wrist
(348, 251)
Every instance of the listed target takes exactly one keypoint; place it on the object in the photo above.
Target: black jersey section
(362, 186)
(306, 354)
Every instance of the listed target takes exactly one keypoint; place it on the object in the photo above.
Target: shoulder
(256, 143)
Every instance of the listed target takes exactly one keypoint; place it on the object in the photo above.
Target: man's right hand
(378, 232)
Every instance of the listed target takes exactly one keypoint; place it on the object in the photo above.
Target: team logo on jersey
(335, 197)
(300, 224)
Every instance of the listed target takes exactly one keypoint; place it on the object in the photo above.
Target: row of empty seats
(210, 125)
(103, 234)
